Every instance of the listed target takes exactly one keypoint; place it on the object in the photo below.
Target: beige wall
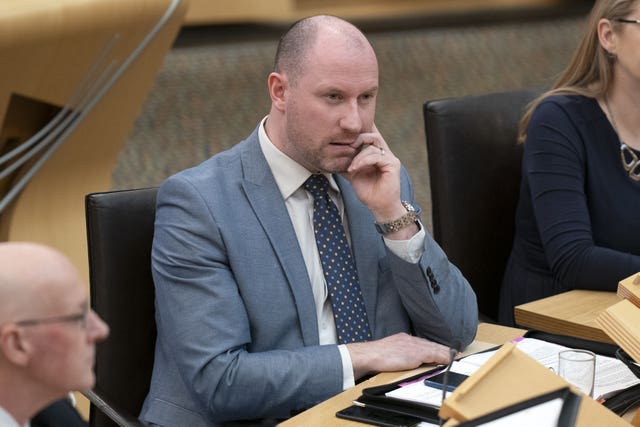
(46, 51)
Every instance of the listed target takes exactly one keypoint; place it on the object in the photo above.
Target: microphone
(453, 351)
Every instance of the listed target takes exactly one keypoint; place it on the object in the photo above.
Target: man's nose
(351, 120)
(98, 329)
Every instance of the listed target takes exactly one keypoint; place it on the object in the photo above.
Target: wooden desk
(571, 313)
(323, 414)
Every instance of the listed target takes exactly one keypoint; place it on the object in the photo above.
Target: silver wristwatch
(411, 217)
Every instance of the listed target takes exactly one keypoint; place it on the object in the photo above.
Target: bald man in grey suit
(246, 327)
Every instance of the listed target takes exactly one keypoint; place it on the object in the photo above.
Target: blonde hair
(591, 69)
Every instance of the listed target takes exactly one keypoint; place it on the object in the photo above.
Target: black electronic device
(377, 417)
(453, 380)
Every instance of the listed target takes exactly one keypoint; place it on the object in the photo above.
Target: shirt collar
(289, 174)
(7, 420)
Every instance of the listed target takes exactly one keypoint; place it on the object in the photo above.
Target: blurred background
(211, 90)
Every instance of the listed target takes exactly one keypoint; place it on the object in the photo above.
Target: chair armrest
(111, 410)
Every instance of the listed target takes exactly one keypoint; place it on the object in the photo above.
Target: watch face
(408, 206)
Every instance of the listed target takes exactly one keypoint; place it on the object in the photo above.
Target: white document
(611, 374)
(418, 392)
(546, 414)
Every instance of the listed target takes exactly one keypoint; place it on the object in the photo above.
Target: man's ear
(607, 36)
(14, 345)
(277, 90)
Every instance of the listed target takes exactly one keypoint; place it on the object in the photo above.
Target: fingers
(441, 354)
(376, 149)
(429, 351)
(395, 353)
(371, 139)
(374, 174)
(373, 152)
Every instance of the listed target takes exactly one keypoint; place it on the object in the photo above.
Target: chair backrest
(119, 236)
(474, 167)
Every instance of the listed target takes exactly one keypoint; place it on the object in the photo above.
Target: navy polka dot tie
(338, 265)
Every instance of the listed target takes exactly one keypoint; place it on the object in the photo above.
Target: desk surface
(323, 414)
(571, 313)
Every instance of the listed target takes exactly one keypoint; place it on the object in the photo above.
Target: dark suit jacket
(59, 414)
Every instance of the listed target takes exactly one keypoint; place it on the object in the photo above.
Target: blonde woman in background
(578, 218)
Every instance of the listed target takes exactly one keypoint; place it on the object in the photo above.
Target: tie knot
(317, 185)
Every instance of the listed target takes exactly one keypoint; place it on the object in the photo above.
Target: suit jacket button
(429, 273)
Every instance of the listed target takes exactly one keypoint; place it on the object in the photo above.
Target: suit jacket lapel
(264, 196)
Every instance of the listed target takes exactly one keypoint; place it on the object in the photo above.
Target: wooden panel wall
(202, 12)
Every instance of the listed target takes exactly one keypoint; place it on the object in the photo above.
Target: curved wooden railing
(73, 78)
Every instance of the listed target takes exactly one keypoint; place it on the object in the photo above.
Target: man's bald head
(47, 331)
(302, 36)
(29, 274)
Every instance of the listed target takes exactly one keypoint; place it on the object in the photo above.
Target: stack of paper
(611, 377)
(621, 321)
(509, 377)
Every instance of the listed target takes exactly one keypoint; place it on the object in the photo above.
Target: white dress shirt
(6, 420)
(290, 176)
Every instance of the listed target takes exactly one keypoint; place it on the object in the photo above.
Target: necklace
(630, 160)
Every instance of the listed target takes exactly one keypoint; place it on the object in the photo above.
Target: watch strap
(411, 217)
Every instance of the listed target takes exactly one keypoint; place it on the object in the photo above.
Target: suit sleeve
(204, 325)
(439, 300)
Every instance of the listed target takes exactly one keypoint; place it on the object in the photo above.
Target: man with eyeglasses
(47, 331)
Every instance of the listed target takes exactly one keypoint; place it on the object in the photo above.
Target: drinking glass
(578, 367)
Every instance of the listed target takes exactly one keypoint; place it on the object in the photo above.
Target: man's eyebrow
(331, 89)
(336, 89)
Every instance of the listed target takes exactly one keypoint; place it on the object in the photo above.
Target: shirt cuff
(348, 380)
(408, 250)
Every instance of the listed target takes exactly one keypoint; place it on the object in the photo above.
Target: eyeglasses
(80, 318)
(627, 21)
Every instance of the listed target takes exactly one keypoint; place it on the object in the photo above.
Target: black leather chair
(119, 236)
(474, 167)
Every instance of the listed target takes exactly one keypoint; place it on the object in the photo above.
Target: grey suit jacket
(237, 327)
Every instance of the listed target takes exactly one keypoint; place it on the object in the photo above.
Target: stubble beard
(311, 155)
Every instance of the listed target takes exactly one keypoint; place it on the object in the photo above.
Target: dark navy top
(578, 217)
